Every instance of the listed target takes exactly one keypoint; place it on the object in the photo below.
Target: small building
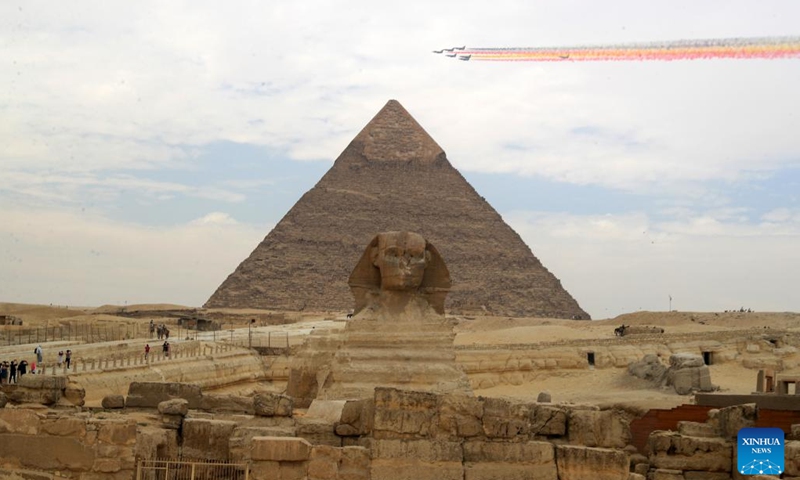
(10, 320)
(198, 323)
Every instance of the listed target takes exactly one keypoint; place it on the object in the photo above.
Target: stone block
(64, 426)
(587, 463)
(19, 421)
(323, 463)
(404, 413)
(548, 420)
(3, 400)
(280, 449)
(791, 453)
(697, 429)
(272, 405)
(318, 432)
(153, 442)
(544, 397)
(666, 474)
(206, 438)
(698, 475)
(460, 416)
(150, 394)
(670, 450)
(354, 463)
(504, 419)
(731, 419)
(598, 428)
(176, 406)
(227, 403)
(62, 453)
(75, 394)
(113, 401)
(499, 460)
(429, 451)
(116, 432)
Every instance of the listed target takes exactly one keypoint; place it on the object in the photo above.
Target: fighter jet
(465, 57)
(564, 57)
(438, 51)
(460, 48)
(451, 55)
(449, 49)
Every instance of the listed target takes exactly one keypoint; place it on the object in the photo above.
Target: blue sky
(147, 148)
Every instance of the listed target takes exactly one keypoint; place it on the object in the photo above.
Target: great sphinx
(398, 270)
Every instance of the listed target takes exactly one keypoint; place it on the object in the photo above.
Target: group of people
(165, 349)
(160, 330)
(11, 371)
(64, 357)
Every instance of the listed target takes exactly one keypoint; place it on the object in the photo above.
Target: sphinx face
(401, 258)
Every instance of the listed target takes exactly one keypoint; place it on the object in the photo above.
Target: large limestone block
(176, 406)
(671, 450)
(696, 429)
(227, 403)
(19, 421)
(113, 401)
(280, 449)
(116, 432)
(152, 442)
(402, 412)
(242, 439)
(206, 438)
(460, 416)
(504, 419)
(150, 394)
(43, 389)
(318, 432)
(75, 394)
(549, 420)
(48, 453)
(500, 460)
(586, 463)
(792, 455)
(416, 460)
(666, 474)
(64, 426)
(273, 405)
(598, 428)
(732, 419)
(356, 418)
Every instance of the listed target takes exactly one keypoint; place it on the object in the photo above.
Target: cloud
(614, 264)
(66, 258)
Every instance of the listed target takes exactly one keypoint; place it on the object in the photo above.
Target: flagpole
(670, 303)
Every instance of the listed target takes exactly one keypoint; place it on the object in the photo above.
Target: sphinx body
(399, 336)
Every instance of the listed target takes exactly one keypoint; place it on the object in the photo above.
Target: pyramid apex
(393, 135)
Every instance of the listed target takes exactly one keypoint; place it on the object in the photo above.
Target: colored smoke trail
(739, 48)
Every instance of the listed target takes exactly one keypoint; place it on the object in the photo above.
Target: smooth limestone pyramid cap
(394, 177)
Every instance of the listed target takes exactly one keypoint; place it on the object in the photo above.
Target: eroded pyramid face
(394, 177)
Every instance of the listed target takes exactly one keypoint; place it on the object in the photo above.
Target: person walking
(22, 369)
(39, 353)
(12, 372)
(68, 357)
(60, 358)
(146, 351)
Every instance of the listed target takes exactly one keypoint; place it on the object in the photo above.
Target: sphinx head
(400, 262)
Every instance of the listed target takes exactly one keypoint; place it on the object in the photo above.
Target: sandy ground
(600, 386)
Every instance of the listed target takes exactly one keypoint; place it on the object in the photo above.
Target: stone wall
(78, 445)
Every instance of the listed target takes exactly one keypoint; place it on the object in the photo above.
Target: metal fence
(16, 335)
(183, 469)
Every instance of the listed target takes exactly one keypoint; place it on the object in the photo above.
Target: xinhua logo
(760, 451)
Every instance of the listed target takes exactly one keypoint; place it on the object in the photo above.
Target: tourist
(152, 328)
(22, 369)
(12, 372)
(68, 357)
(165, 348)
(3, 372)
(39, 354)
(60, 358)
(33, 368)
(146, 351)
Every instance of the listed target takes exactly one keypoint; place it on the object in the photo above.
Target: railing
(276, 340)
(17, 335)
(171, 469)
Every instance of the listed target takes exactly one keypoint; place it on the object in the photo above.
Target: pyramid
(394, 176)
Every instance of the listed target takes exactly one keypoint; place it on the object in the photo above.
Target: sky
(147, 147)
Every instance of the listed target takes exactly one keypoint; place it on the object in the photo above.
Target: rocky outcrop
(688, 373)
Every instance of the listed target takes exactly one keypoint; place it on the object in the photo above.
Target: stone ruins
(394, 176)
